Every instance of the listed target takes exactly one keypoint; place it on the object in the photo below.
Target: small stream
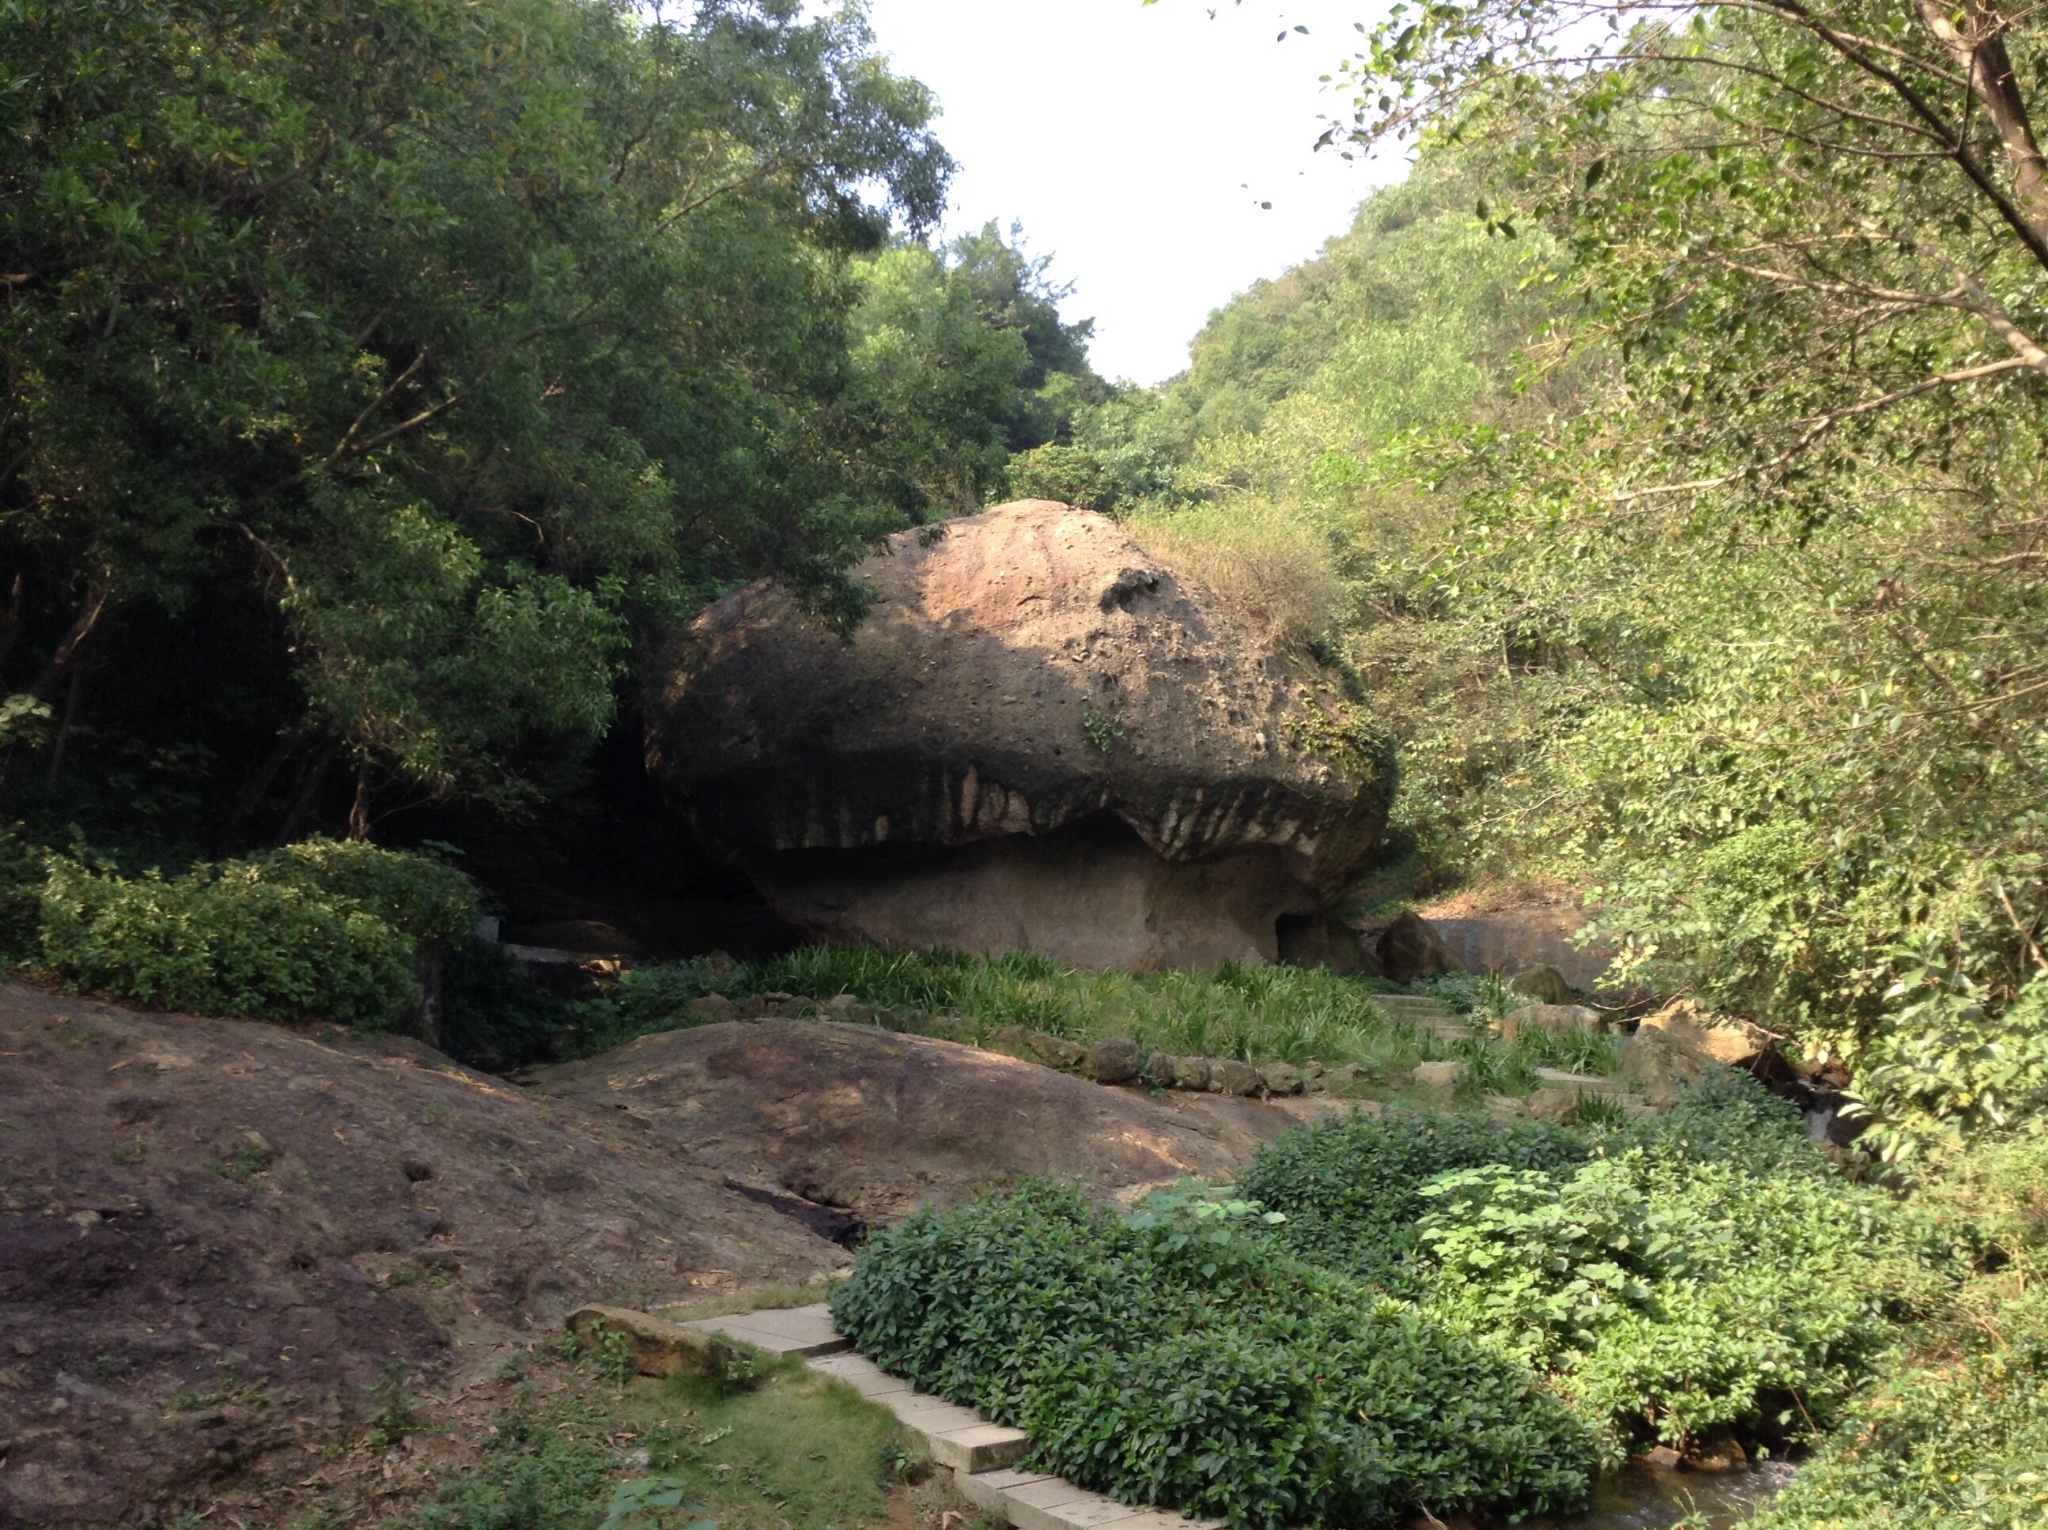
(1642, 1497)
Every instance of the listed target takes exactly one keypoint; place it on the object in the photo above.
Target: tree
(1776, 580)
(482, 342)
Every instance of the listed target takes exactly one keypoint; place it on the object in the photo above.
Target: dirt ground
(216, 1236)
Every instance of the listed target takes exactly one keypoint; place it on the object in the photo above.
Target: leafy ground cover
(1415, 1311)
(1180, 1357)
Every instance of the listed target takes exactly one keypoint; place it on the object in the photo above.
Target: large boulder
(1038, 738)
(882, 1123)
(1674, 1048)
(1410, 948)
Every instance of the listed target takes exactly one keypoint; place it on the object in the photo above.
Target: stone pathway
(1425, 1013)
(979, 1454)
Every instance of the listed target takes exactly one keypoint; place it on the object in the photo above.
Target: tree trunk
(316, 775)
(63, 737)
(67, 651)
(260, 783)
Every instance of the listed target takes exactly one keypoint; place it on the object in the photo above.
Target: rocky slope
(214, 1236)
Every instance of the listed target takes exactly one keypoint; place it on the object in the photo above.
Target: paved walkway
(980, 1454)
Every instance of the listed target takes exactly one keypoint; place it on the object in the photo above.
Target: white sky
(1136, 144)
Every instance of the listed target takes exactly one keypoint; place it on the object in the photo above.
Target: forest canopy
(381, 380)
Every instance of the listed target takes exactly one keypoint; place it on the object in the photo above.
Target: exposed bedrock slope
(1028, 679)
(883, 1123)
(214, 1234)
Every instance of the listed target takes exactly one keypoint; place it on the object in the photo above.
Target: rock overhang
(1027, 672)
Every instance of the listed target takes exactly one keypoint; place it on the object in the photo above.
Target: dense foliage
(1696, 1276)
(1351, 1187)
(320, 930)
(1683, 520)
(384, 381)
(1177, 1357)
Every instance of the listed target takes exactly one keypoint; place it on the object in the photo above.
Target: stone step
(979, 1454)
(804, 1331)
(1584, 1083)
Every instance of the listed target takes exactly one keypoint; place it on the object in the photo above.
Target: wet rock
(1228, 1076)
(1545, 984)
(1716, 1451)
(1112, 1060)
(1409, 948)
(1000, 760)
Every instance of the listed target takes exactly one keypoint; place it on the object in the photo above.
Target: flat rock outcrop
(1039, 737)
(882, 1123)
(216, 1234)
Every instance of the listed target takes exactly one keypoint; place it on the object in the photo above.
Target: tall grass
(1254, 1015)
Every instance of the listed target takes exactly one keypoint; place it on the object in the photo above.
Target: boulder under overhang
(1088, 894)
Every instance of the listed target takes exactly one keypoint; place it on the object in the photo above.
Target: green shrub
(1182, 1357)
(316, 931)
(1955, 1436)
(414, 894)
(1350, 1186)
(1708, 1269)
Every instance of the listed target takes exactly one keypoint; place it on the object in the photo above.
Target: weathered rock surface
(1550, 1017)
(175, 1190)
(1039, 738)
(883, 1123)
(1112, 1060)
(1544, 984)
(1520, 936)
(1440, 1075)
(1676, 1046)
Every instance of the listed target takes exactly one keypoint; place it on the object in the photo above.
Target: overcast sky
(1136, 145)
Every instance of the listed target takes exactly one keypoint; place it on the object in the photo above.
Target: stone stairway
(1426, 1014)
(979, 1454)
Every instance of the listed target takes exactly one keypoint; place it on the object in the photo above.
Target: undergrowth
(1263, 1014)
(1181, 1357)
(1411, 1311)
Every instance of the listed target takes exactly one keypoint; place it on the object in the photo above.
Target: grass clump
(320, 930)
(1252, 1014)
(569, 1443)
(1181, 1356)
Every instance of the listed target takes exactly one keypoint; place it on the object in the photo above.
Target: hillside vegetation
(1659, 466)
